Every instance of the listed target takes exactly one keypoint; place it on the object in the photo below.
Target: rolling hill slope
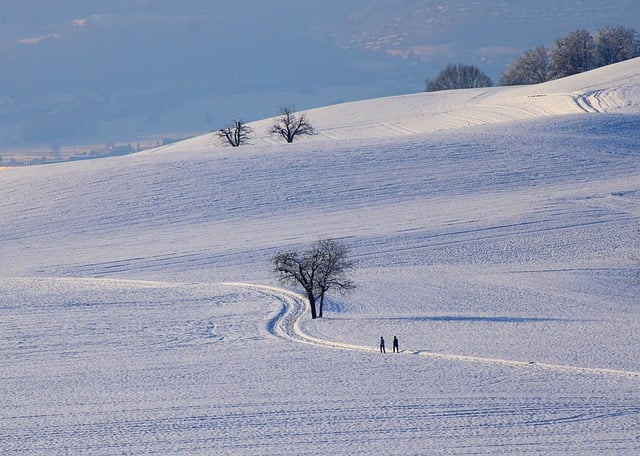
(493, 232)
(609, 89)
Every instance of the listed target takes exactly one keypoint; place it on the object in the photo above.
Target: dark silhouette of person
(382, 350)
(396, 348)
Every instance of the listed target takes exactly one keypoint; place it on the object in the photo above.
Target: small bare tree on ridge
(236, 133)
(288, 124)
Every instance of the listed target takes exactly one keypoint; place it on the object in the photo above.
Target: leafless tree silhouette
(325, 266)
(236, 133)
(289, 124)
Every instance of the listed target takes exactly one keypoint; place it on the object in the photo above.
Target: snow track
(286, 324)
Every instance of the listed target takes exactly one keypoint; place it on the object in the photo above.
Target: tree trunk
(320, 305)
(312, 305)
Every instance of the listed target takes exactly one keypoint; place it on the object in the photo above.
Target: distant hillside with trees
(574, 53)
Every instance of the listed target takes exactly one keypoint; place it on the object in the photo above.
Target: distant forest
(574, 53)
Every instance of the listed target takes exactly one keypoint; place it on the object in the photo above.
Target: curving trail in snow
(286, 324)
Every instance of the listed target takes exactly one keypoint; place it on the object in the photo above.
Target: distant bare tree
(459, 77)
(323, 267)
(236, 133)
(288, 124)
(615, 44)
(574, 53)
(533, 67)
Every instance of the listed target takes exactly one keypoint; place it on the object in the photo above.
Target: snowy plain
(493, 232)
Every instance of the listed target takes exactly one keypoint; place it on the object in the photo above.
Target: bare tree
(323, 267)
(615, 44)
(236, 133)
(533, 67)
(334, 270)
(288, 124)
(574, 53)
(459, 77)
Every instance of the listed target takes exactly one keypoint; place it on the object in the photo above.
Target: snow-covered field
(493, 230)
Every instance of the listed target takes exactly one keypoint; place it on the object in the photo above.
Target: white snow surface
(494, 232)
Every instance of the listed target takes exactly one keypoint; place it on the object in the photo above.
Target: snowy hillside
(615, 88)
(493, 232)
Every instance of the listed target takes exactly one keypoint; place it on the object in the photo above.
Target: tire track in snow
(585, 101)
(286, 324)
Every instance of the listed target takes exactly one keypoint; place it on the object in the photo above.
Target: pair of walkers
(396, 348)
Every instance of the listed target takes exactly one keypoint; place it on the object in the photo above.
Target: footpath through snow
(286, 324)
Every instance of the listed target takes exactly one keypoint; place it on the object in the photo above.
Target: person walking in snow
(396, 349)
(382, 350)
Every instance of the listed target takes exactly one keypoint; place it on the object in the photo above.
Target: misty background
(94, 71)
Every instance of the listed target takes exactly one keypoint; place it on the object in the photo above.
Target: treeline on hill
(574, 53)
